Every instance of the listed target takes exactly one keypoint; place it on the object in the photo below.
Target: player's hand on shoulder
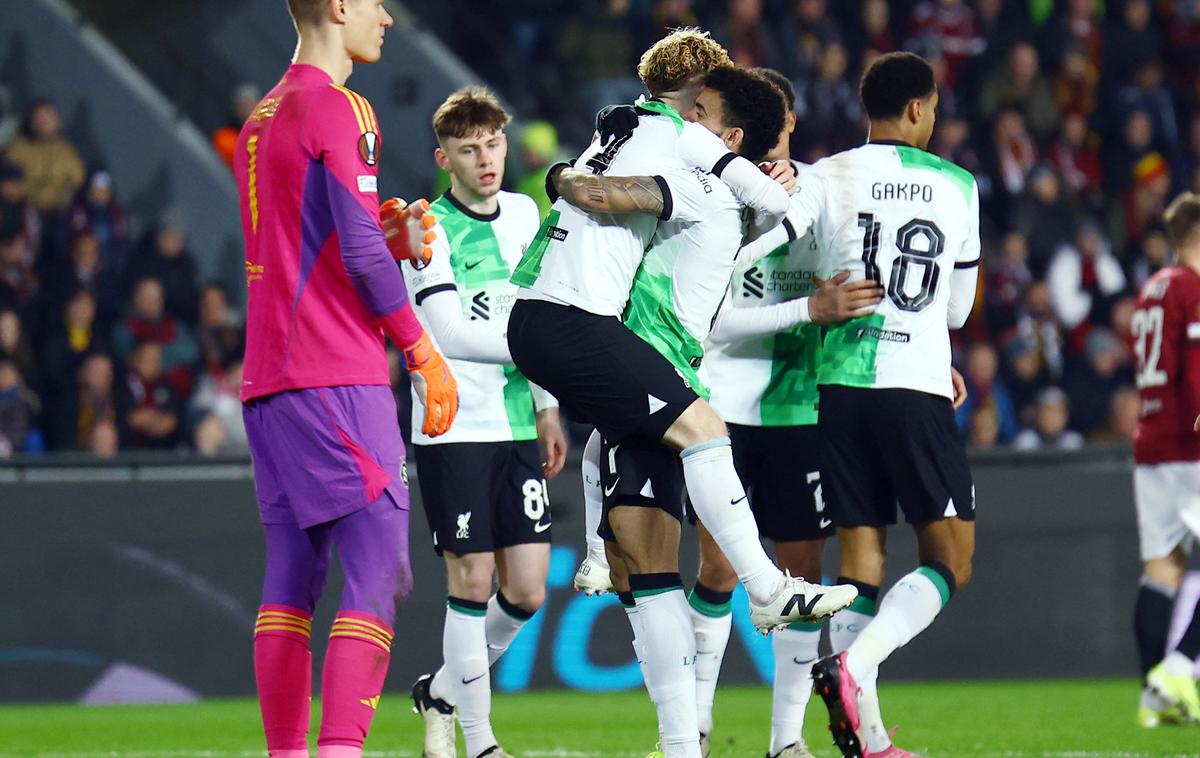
(553, 441)
(781, 171)
(409, 230)
(616, 122)
(435, 385)
(960, 389)
(838, 300)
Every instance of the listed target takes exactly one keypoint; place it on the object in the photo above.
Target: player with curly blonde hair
(566, 335)
(678, 63)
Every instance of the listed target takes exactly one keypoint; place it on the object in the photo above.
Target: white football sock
(668, 640)
(720, 502)
(1178, 664)
(796, 650)
(905, 611)
(593, 504)
(504, 620)
(843, 630)
(463, 680)
(712, 623)
(639, 652)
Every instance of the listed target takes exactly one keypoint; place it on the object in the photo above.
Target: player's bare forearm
(610, 194)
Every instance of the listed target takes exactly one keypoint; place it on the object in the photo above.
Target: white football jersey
(589, 260)
(771, 380)
(685, 273)
(905, 218)
(475, 255)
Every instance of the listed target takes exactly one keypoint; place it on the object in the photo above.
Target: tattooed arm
(613, 194)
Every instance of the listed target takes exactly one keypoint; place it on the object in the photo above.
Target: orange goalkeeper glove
(435, 385)
(403, 224)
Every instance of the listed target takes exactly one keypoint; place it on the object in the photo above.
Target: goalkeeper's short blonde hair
(680, 57)
(306, 11)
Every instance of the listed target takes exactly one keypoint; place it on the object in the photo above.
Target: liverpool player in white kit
(483, 486)
(565, 331)
(761, 359)
(1166, 481)
(891, 212)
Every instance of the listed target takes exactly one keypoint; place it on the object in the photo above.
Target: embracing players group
(693, 295)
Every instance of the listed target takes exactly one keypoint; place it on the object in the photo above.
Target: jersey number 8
(536, 495)
(910, 256)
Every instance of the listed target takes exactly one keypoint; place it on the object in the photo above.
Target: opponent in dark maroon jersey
(1166, 340)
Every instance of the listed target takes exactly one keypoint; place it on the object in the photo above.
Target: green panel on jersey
(526, 272)
(518, 404)
(848, 355)
(790, 398)
(914, 157)
(662, 109)
(475, 254)
(651, 316)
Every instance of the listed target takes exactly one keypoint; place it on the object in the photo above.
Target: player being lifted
(565, 332)
(761, 361)
(482, 484)
(1166, 479)
(320, 416)
(675, 295)
(891, 212)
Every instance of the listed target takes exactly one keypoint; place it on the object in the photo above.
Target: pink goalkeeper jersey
(322, 284)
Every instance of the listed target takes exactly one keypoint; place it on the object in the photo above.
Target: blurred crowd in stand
(107, 342)
(1079, 119)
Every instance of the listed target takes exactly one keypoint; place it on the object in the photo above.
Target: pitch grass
(1083, 719)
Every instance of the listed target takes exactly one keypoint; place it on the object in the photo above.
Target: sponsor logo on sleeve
(368, 184)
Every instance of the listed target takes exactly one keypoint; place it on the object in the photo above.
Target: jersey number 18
(909, 257)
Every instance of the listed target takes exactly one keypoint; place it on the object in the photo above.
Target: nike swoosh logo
(609, 490)
(825, 522)
(799, 662)
(735, 502)
(475, 679)
(472, 264)
(539, 528)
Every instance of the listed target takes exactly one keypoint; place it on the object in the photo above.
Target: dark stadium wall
(142, 585)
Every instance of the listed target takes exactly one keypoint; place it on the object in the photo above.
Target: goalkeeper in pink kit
(324, 290)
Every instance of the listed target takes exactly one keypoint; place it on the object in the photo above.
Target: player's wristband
(551, 190)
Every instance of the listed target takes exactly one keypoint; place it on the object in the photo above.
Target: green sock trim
(863, 605)
(805, 626)
(465, 610)
(656, 591)
(712, 610)
(938, 581)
